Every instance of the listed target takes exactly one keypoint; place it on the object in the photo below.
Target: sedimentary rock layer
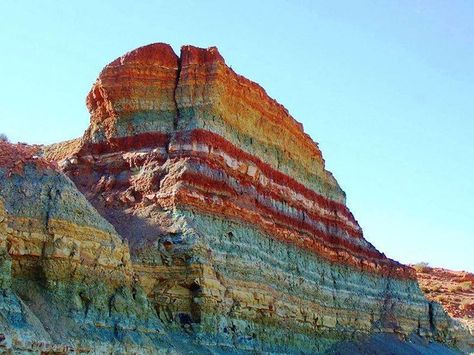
(145, 103)
(227, 135)
(238, 233)
(66, 275)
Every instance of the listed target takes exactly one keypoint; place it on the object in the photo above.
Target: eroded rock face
(134, 94)
(66, 276)
(238, 234)
(454, 290)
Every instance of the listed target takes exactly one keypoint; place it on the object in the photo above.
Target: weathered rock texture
(232, 235)
(237, 231)
(66, 275)
(454, 290)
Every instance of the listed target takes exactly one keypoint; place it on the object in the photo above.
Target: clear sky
(385, 87)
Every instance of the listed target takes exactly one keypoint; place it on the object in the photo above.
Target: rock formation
(454, 290)
(66, 275)
(223, 230)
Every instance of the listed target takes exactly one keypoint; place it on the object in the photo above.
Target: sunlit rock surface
(66, 275)
(223, 230)
(454, 290)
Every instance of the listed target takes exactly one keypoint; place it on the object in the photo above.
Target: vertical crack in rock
(431, 316)
(177, 117)
(49, 206)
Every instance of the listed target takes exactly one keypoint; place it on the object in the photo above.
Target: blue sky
(385, 87)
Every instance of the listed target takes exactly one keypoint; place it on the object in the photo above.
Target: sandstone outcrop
(237, 231)
(195, 215)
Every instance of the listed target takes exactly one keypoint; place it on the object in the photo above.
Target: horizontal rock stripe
(220, 178)
(67, 278)
(238, 235)
(248, 285)
(151, 89)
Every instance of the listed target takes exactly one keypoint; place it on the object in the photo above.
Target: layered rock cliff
(223, 230)
(236, 228)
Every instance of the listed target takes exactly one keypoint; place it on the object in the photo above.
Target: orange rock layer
(235, 227)
(207, 83)
(197, 107)
(221, 179)
(237, 239)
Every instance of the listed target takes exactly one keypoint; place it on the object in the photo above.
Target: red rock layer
(311, 222)
(142, 80)
(453, 289)
(213, 141)
(230, 151)
(208, 86)
(13, 157)
(206, 66)
(221, 179)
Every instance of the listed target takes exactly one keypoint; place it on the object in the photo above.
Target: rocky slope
(66, 275)
(454, 290)
(223, 230)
